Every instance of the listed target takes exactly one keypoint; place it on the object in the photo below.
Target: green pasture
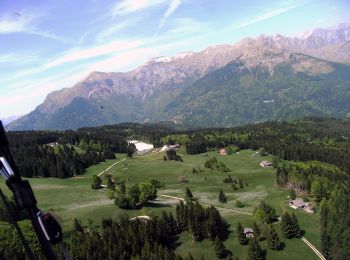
(73, 198)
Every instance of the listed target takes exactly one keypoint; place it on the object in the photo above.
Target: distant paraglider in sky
(96, 91)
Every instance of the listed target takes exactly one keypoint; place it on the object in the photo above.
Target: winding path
(208, 205)
(110, 167)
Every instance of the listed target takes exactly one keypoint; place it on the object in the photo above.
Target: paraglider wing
(98, 90)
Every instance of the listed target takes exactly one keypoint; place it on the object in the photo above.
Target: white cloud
(321, 20)
(24, 96)
(95, 51)
(124, 60)
(174, 4)
(14, 58)
(110, 31)
(129, 6)
(186, 25)
(24, 23)
(74, 55)
(264, 16)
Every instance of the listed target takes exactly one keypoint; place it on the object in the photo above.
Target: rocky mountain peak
(163, 78)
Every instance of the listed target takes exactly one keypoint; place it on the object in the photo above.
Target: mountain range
(266, 78)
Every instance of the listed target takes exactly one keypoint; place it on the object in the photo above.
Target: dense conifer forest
(310, 155)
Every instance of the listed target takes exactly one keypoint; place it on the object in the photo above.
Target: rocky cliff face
(145, 92)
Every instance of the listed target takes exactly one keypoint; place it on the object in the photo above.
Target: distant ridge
(223, 85)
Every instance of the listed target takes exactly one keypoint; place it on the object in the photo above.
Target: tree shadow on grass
(156, 205)
(225, 231)
(282, 246)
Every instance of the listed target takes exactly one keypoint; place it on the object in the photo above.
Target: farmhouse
(248, 232)
(265, 164)
(299, 203)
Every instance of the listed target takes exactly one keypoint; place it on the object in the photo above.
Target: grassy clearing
(73, 198)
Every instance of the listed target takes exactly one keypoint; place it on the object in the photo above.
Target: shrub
(182, 179)
(239, 204)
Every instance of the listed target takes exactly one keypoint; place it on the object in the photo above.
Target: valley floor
(74, 198)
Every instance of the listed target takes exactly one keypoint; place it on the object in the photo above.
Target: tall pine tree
(254, 250)
(273, 241)
(222, 197)
(219, 247)
(240, 234)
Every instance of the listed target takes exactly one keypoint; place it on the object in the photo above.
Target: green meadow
(74, 198)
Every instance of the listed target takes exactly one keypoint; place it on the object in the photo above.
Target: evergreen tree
(325, 243)
(77, 226)
(234, 187)
(287, 226)
(240, 234)
(110, 183)
(96, 182)
(273, 241)
(325, 238)
(122, 188)
(222, 197)
(256, 230)
(189, 195)
(131, 150)
(292, 194)
(240, 183)
(219, 247)
(254, 250)
(295, 226)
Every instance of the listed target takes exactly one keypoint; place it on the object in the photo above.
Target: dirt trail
(208, 205)
(313, 248)
(110, 167)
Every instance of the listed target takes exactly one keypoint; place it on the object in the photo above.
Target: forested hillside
(310, 157)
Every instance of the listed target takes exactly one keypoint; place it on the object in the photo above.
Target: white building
(140, 146)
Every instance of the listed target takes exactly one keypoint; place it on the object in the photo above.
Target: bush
(182, 179)
(239, 204)
(214, 164)
(96, 182)
(123, 202)
(222, 197)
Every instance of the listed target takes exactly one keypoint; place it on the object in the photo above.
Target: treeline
(136, 238)
(325, 140)
(335, 224)
(126, 239)
(329, 186)
(317, 178)
(62, 154)
(44, 161)
(199, 221)
(320, 139)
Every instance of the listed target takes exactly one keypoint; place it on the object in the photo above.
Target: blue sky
(49, 45)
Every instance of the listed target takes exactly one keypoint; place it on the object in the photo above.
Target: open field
(73, 198)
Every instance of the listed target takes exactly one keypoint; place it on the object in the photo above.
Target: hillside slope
(267, 77)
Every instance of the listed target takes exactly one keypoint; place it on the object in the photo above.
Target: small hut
(248, 232)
